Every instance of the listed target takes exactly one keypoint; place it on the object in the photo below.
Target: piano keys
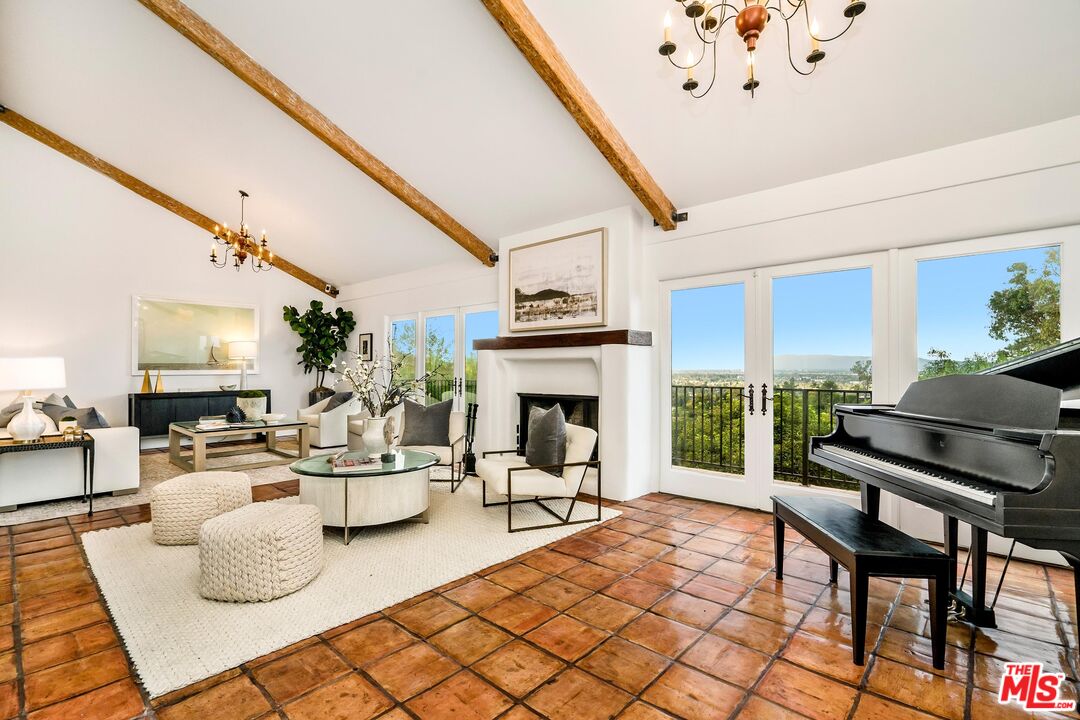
(996, 450)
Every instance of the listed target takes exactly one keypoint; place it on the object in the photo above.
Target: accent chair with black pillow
(329, 419)
(557, 457)
(437, 429)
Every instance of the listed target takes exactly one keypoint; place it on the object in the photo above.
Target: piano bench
(868, 548)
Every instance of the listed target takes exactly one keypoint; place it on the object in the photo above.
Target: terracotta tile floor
(668, 611)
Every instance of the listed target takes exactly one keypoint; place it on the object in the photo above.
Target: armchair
(451, 455)
(513, 476)
(329, 428)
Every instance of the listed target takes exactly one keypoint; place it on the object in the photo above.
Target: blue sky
(952, 299)
(829, 313)
(480, 325)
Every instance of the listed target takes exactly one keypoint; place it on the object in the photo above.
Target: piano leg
(871, 499)
(974, 605)
(950, 550)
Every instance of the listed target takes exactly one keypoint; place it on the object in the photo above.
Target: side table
(57, 442)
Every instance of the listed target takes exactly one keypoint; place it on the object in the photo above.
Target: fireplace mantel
(566, 340)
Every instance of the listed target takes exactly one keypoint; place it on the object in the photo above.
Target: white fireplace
(616, 374)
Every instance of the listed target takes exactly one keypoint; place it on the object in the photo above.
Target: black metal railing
(439, 388)
(708, 429)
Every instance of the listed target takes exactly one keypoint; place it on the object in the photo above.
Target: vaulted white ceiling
(439, 93)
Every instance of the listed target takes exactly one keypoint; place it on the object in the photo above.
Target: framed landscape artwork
(559, 283)
(182, 337)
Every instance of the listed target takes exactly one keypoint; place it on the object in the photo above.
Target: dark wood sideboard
(152, 412)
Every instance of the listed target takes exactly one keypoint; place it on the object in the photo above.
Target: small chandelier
(242, 245)
(708, 19)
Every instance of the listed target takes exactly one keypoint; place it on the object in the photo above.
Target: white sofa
(329, 429)
(35, 476)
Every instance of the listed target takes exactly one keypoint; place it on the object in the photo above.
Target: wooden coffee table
(195, 461)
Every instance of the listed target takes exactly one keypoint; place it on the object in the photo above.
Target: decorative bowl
(226, 388)
(273, 417)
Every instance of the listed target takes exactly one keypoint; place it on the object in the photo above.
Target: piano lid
(989, 401)
(1058, 367)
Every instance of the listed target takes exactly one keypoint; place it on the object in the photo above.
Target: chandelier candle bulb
(667, 27)
(689, 64)
(814, 43)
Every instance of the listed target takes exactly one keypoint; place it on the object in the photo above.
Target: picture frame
(189, 337)
(559, 283)
(366, 347)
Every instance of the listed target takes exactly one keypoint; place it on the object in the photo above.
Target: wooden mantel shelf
(566, 340)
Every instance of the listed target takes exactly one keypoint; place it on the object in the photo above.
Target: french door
(439, 343)
(754, 362)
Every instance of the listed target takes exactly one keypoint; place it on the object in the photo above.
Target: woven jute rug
(175, 637)
(154, 468)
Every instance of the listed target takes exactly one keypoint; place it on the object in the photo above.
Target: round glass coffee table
(368, 495)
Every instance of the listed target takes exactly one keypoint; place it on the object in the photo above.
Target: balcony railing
(442, 388)
(708, 430)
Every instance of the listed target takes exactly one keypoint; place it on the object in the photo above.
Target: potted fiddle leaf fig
(323, 336)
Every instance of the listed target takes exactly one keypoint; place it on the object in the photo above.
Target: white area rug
(153, 469)
(175, 637)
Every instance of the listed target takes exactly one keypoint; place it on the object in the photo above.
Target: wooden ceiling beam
(539, 49)
(47, 137)
(211, 41)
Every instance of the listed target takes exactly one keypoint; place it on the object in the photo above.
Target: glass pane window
(478, 326)
(439, 357)
(708, 336)
(975, 311)
(822, 348)
(403, 347)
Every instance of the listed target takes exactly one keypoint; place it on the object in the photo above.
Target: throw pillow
(55, 399)
(547, 438)
(9, 412)
(337, 401)
(427, 425)
(88, 418)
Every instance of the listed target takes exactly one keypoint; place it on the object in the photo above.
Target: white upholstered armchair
(451, 454)
(328, 428)
(511, 476)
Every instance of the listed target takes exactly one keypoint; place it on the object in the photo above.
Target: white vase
(254, 408)
(26, 426)
(374, 441)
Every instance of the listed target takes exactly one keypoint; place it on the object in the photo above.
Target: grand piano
(996, 450)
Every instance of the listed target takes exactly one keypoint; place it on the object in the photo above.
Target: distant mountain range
(546, 294)
(827, 363)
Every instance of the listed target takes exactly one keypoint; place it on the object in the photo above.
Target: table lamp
(26, 375)
(243, 350)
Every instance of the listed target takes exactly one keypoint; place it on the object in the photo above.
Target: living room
(487, 365)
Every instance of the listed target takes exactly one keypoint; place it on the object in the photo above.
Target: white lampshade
(242, 349)
(40, 373)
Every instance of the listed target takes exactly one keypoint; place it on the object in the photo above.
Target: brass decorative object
(146, 382)
(159, 387)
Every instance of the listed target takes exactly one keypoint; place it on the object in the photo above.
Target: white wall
(458, 284)
(623, 260)
(75, 247)
(1023, 180)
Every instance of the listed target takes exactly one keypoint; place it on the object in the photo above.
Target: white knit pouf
(179, 506)
(260, 552)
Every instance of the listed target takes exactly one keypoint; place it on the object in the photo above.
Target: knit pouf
(179, 507)
(260, 552)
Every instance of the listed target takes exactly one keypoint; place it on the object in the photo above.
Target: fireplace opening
(583, 410)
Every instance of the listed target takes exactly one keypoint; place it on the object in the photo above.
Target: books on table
(342, 464)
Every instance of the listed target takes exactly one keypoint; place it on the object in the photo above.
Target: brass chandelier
(241, 245)
(708, 19)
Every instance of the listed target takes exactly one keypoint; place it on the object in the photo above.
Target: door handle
(764, 398)
(750, 395)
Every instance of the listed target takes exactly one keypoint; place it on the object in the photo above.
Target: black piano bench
(868, 548)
